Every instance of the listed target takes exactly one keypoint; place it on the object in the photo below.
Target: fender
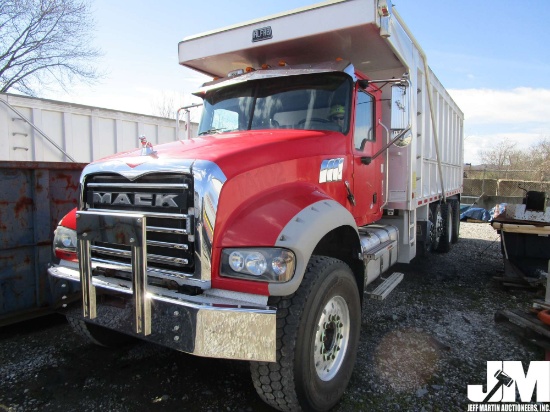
(293, 216)
(255, 206)
(259, 221)
(304, 232)
(69, 220)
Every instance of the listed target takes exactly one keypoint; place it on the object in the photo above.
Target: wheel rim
(332, 337)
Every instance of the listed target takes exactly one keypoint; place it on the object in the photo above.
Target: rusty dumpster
(34, 196)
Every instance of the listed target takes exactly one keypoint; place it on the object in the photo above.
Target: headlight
(64, 243)
(262, 264)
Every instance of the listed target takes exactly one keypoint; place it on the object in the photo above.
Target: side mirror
(399, 108)
(363, 84)
(400, 113)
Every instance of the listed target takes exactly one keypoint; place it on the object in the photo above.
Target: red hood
(237, 152)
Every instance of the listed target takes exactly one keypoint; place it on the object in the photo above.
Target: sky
(493, 57)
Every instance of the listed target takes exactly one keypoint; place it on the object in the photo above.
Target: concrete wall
(475, 187)
(502, 187)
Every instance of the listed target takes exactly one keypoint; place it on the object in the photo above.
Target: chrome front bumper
(207, 325)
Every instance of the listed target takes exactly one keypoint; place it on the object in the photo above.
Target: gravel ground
(419, 350)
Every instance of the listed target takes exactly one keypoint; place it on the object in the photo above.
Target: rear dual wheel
(446, 228)
(450, 212)
(317, 338)
(455, 205)
(436, 227)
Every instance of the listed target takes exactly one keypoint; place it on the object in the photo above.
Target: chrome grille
(165, 200)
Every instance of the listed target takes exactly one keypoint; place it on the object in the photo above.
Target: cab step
(386, 286)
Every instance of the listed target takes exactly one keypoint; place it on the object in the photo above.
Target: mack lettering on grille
(135, 199)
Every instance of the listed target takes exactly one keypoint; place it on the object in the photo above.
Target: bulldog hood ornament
(146, 147)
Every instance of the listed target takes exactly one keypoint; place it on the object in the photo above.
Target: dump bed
(373, 37)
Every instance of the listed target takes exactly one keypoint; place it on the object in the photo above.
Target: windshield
(318, 101)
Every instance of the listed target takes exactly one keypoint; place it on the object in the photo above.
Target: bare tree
(539, 156)
(501, 156)
(165, 106)
(45, 43)
(530, 163)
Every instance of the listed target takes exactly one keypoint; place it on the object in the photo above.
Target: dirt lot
(419, 350)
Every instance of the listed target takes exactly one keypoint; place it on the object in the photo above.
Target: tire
(98, 335)
(421, 249)
(447, 228)
(455, 204)
(317, 337)
(436, 229)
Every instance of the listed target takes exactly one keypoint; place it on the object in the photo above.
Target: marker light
(234, 73)
(383, 8)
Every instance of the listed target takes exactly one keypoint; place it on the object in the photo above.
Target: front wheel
(317, 337)
(98, 335)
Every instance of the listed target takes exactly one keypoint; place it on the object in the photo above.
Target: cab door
(368, 179)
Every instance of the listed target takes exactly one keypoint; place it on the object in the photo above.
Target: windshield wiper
(212, 131)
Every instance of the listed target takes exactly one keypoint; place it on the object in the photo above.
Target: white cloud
(474, 144)
(520, 115)
(523, 104)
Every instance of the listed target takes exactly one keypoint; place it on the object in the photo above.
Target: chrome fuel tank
(379, 249)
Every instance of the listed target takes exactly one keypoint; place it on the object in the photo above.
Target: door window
(364, 120)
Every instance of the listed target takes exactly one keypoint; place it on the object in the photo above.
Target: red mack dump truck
(327, 152)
